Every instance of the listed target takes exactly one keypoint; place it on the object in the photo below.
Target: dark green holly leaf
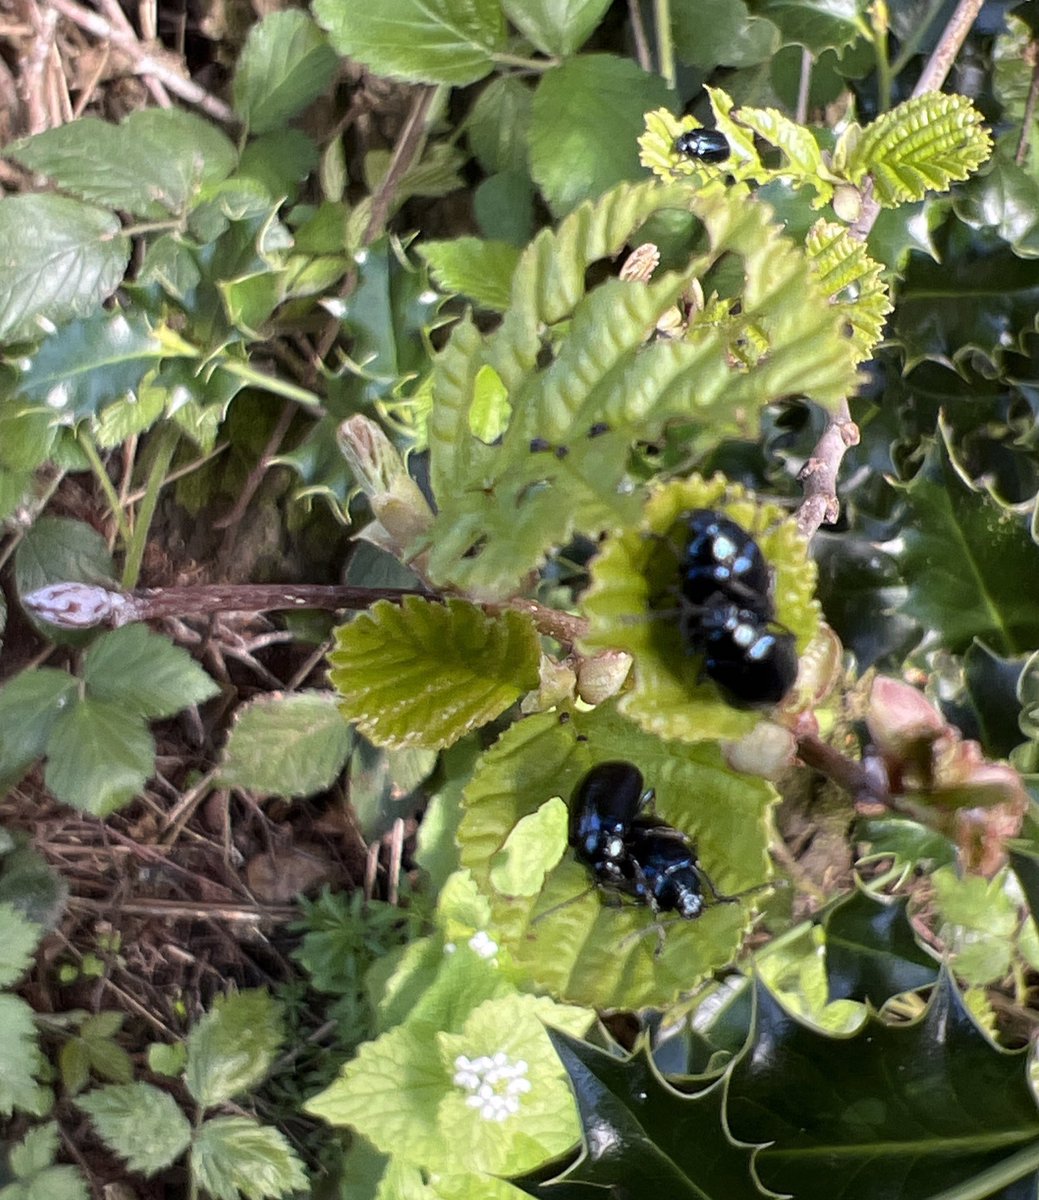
(898, 231)
(422, 41)
(912, 1109)
(61, 260)
(588, 115)
(711, 33)
(1005, 200)
(643, 1140)
(1024, 858)
(286, 63)
(991, 686)
(957, 545)
(90, 363)
(871, 953)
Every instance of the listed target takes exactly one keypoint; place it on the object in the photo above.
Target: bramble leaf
(422, 41)
(29, 706)
(37, 1178)
(817, 25)
(286, 63)
(481, 270)
(232, 1047)
(632, 605)
(922, 145)
(21, 1062)
(424, 674)
(234, 1157)
(19, 938)
(61, 259)
(566, 938)
(99, 756)
(145, 672)
(282, 745)
(556, 29)
(871, 953)
(140, 1123)
(561, 464)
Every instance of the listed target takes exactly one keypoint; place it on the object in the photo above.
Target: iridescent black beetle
(708, 145)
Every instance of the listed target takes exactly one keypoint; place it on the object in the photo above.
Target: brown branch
(818, 476)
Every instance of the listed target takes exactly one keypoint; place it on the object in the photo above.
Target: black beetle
(751, 663)
(708, 145)
(605, 802)
(721, 557)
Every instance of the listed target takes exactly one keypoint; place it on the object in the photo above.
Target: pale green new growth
(919, 147)
(424, 674)
(853, 282)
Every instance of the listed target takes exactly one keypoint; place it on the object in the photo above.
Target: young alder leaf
(922, 145)
(61, 259)
(955, 547)
(231, 1048)
(19, 938)
(632, 605)
(871, 953)
(140, 1123)
(286, 745)
(853, 282)
(286, 63)
(587, 116)
(478, 269)
(29, 705)
(99, 756)
(803, 162)
(556, 29)
(153, 165)
(145, 672)
(234, 1157)
(424, 674)
(422, 41)
(568, 939)
(914, 1109)
(679, 1142)
(563, 461)
(21, 1062)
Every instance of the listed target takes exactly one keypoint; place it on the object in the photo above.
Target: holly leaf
(140, 1123)
(956, 544)
(61, 259)
(424, 674)
(871, 953)
(309, 738)
(914, 1108)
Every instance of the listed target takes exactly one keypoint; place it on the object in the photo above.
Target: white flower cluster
(496, 1084)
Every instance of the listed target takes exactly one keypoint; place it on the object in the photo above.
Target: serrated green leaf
(502, 506)
(140, 1123)
(37, 1150)
(37, 1179)
(817, 25)
(29, 705)
(74, 1066)
(61, 259)
(152, 165)
(233, 1157)
(145, 672)
(871, 953)
(499, 125)
(587, 116)
(803, 163)
(678, 1144)
(232, 1047)
(99, 756)
(853, 282)
(281, 745)
(568, 940)
(978, 921)
(556, 29)
(914, 1108)
(21, 1062)
(30, 885)
(956, 544)
(424, 674)
(58, 549)
(19, 938)
(422, 41)
(89, 363)
(922, 145)
(472, 267)
(631, 602)
(286, 63)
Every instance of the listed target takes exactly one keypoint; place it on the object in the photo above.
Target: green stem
(528, 64)
(665, 45)
(88, 447)
(885, 76)
(165, 444)
(269, 383)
